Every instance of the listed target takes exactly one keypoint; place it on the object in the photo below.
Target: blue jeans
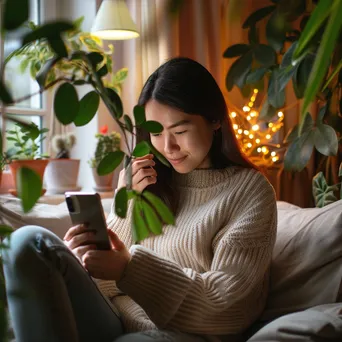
(52, 298)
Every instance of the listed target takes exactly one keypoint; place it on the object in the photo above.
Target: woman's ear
(216, 125)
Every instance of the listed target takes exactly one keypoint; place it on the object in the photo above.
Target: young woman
(204, 279)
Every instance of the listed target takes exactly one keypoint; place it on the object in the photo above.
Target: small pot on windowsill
(37, 165)
(103, 183)
(61, 175)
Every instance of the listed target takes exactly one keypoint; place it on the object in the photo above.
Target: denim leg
(50, 295)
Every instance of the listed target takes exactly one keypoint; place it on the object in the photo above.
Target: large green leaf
(322, 192)
(291, 135)
(152, 126)
(163, 211)
(301, 76)
(128, 123)
(141, 149)
(44, 71)
(121, 202)
(140, 230)
(236, 50)
(239, 70)
(110, 162)
(276, 31)
(159, 156)
(120, 76)
(89, 105)
(152, 220)
(116, 102)
(264, 54)
(326, 140)
(276, 92)
(58, 46)
(286, 61)
(95, 58)
(139, 115)
(258, 15)
(317, 18)
(103, 71)
(267, 111)
(324, 54)
(29, 186)
(5, 230)
(16, 12)
(299, 152)
(66, 104)
(256, 75)
(48, 30)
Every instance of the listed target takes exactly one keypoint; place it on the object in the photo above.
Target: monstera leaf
(322, 192)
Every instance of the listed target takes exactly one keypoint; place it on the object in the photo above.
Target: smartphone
(86, 208)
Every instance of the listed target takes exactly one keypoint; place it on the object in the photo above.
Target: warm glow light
(255, 91)
(250, 104)
(273, 154)
(235, 126)
(245, 132)
(237, 135)
(246, 109)
(240, 131)
(251, 136)
(253, 113)
(270, 124)
(253, 98)
(248, 118)
(264, 149)
(257, 141)
(255, 127)
(274, 129)
(249, 145)
(259, 149)
(280, 114)
(233, 114)
(268, 136)
(274, 159)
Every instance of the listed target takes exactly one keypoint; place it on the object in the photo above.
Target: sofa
(305, 295)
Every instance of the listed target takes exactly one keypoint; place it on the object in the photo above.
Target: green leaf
(152, 126)
(276, 31)
(267, 111)
(29, 187)
(159, 156)
(66, 104)
(121, 202)
(253, 37)
(78, 23)
(292, 134)
(120, 76)
(162, 210)
(140, 229)
(5, 230)
(141, 149)
(299, 152)
(44, 71)
(239, 70)
(89, 105)
(264, 54)
(317, 18)
(258, 15)
(326, 141)
(5, 95)
(23, 65)
(256, 75)
(153, 222)
(324, 54)
(139, 115)
(103, 71)
(287, 57)
(128, 123)
(116, 102)
(58, 46)
(236, 50)
(95, 58)
(110, 162)
(301, 76)
(276, 92)
(323, 194)
(16, 12)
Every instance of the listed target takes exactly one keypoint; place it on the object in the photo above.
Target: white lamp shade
(113, 21)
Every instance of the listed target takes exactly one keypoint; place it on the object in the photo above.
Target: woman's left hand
(107, 265)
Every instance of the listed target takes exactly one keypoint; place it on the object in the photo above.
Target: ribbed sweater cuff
(158, 285)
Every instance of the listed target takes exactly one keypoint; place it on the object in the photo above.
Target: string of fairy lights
(256, 137)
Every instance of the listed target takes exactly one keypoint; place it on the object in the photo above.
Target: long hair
(186, 85)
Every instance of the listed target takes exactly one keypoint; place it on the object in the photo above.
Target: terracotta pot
(38, 165)
(61, 175)
(103, 183)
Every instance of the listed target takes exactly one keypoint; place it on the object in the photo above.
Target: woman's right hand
(143, 173)
(78, 240)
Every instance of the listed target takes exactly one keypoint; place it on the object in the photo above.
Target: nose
(170, 145)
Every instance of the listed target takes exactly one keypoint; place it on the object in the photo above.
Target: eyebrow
(179, 123)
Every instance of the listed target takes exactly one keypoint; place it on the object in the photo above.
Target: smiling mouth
(176, 161)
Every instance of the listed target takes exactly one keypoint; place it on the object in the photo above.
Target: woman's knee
(25, 242)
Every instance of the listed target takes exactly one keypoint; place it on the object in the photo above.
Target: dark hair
(186, 85)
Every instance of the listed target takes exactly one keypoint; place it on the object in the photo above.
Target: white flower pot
(61, 175)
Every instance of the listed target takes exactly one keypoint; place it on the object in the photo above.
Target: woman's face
(186, 139)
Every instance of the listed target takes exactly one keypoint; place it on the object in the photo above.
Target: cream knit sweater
(208, 274)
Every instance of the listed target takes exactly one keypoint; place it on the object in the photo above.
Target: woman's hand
(78, 240)
(143, 173)
(108, 265)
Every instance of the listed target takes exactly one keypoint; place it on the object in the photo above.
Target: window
(21, 84)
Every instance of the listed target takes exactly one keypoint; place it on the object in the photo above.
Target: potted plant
(106, 143)
(26, 140)
(62, 171)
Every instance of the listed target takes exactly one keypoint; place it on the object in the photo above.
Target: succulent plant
(62, 145)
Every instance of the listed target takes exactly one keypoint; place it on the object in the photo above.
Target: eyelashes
(177, 133)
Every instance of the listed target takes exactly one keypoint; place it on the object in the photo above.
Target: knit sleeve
(213, 302)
